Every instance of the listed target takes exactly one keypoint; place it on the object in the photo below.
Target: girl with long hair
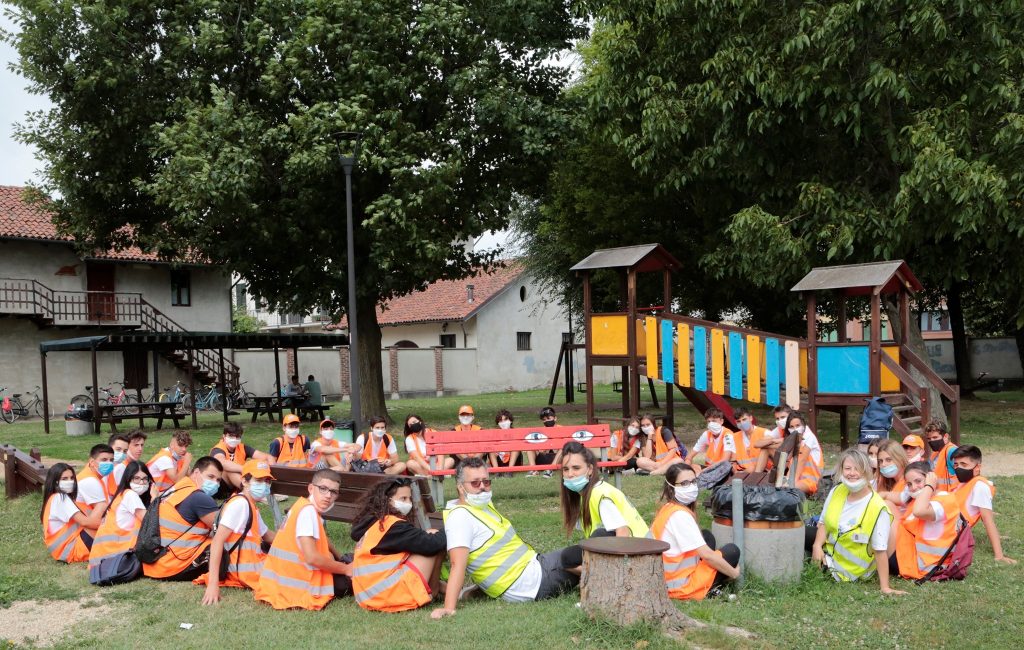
(589, 503)
(67, 531)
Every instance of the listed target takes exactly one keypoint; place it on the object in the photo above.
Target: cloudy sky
(17, 161)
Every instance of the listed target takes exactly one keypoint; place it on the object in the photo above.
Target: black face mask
(415, 427)
(549, 423)
(937, 444)
(964, 475)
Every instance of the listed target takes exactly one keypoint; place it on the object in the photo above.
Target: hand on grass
(441, 612)
(212, 595)
(818, 554)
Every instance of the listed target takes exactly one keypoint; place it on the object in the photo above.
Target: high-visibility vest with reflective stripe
(963, 494)
(939, 460)
(687, 577)
(852, 560)
(164, 482)
(292, 454)
(184, 542)
(246, 559)
(746, 454)
(499, 562)
(716, 446)
(110, 480)
(382, 450)
(917, 556)
(286, 579)
(314, 451)
(66, 544)
(236, 456)
(808, 471)
(601, 491)
(385, 583)
(661, 448)
(111, 539)
(87, 472)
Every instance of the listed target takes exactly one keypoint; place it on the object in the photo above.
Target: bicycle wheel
(128, 407)
(37, 408)
(186, 403)
(81, 402)
(9, 411)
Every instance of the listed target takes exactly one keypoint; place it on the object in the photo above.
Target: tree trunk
(961, 351)
(1018, 335)
(937, 409)
(626, 588)
(371, 373)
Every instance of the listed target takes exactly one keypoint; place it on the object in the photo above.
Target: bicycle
(122, 401)
(208, 398)
(240, 398)
(180, 394)
(12, 408)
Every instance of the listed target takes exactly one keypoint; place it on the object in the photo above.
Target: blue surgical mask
(119, 457)
(576, 484)
(259, 490)
(889, 471)
(211, 487)
(744, 425)
(105, 468)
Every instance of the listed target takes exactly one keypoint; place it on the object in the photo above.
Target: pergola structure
(136, 346)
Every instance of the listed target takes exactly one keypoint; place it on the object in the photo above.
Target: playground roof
(642, 258)
(194, 340)
(859, 279)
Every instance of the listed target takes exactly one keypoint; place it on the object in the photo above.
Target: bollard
(737, 524)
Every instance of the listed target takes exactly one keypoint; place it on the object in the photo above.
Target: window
(181, 289)
(934, 321)
(522, 340)
(241, 289)
(447, 341)
(406, 344)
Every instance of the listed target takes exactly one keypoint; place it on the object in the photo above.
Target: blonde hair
(895, 450)
(860, 461)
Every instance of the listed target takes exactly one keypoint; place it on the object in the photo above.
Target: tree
(211, 129)
(244, 323)
(810, 133)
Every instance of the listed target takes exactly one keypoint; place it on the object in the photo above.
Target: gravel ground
(44, 622)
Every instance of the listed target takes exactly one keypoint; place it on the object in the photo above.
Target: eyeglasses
(477, 483)
(140, 480)
(686, 483)
(327, 491)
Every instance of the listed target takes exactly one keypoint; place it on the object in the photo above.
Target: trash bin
(773, 529)
(78, 421)
(344, 430)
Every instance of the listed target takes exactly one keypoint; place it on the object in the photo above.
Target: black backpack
(876, 421)
(148, 547)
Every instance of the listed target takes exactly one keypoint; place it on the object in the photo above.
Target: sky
(18, 164)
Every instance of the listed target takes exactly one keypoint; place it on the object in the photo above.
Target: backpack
(116, 570)
(148, 546)
(960, 555)
(876, 421)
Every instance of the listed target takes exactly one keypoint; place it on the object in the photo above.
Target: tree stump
(624, 580)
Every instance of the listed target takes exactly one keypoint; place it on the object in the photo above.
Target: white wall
(256, 367)
(996, 356)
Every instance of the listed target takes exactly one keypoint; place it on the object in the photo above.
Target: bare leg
(233, 478)
(449, 462)
(417, 468)
(762, 460)
(397, 468)
(493, 457)
(646, 464)
(430, 568)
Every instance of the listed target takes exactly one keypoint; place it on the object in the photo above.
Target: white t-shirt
(160, 466)
(62, 510)
(811, 442)
(91, 491)
(682, 534)
(375, 446)
(235, 515)
(464, 530)
(853, 512)
(414, 445)
(611, 518)
(980, 497)
(704, 441)
(307, 525)
(119, 472)
(125, 513)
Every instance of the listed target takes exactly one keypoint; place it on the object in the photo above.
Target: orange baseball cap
(291, 417)
(257, 469)
(466, 409)
(913, 441)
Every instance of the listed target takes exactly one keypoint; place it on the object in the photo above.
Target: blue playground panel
(667, 357)
(700, 358)
(773, 361)
(735, 365)
(844, 369)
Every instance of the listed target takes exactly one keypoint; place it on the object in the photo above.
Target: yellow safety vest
(852, 560)
(496, 565)
(637, 526)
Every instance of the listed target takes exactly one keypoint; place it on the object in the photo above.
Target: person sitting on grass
(626, 444)
(484, 544)
(716, 443)
(136, 445)
(852, 537)
(892, 461)
(975, 494)
(233, 454)
(941, 457)
(747, 454)
(120, 443)
(292, 448)
(379, 446)
(499, 459)
(67, 531)
(871, 449)
(693, 567)
(171, 463)
(809, 461)
(661, 449)
(549, 418)
(92, 480)
(120, 528)
(241, 534)
(415, 445)
(913, 447)
(929, 529)
(326, 452)
(396, 566)
(466, 417)
(302, 569)
(591, 505)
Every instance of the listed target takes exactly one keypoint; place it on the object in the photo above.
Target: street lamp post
(348, 163)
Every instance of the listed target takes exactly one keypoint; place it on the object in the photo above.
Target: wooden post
(812, 359)
(223, 384)
(587, 343)
(841, 318)
(844, 427)
(631, 351)
(277, 373)
(192, 386)
(156, 375)
(875, 358)
(46, 394)
(670, 409)
(624, 580)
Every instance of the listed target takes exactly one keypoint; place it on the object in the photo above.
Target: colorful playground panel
(608, 335)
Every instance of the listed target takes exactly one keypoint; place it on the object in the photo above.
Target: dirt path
(44, 622)
(1003, 464)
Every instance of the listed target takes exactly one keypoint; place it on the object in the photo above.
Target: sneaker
(642, 472)
(547, 473)
(715, 592)
(280, 497)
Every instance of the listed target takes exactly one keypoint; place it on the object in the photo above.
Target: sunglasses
(476, 484)
(326, 491)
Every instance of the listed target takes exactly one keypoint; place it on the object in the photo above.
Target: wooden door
(99, 282)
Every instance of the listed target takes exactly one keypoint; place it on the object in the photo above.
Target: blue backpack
(876, 421)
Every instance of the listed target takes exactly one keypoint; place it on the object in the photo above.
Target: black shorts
(545, 457)
(555, 580)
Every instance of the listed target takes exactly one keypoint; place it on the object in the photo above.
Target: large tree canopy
(212, 127)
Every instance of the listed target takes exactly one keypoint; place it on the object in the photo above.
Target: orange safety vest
(716, 446)
(940, 465)
(111, 480)
(183, 541)
(963, 493)
(901, 510)
(686, 576)
(661, 448)
(246, 559)
(164, 483)
(111, 539)
(286, 580)
(236, 456)
(746, 454)
(808, 472)
(66, 544)
(385, 583)
(87, 472)
(916, 556)
(292, 454)
(382, 452)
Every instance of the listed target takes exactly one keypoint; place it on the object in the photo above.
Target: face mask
(745, 425)
(715, 427)
(632, 430)
(964, 475)
(292, 432)
(105, 468)
(328, 434)
(479, 500)
(549, 423)
(854, 486)
(415, 427)
(916, 457)
(175, 455)
(686, 495)
(140, 489)
(66, 485)
(781, 422)
(505, 424)
(889, 471)
(647, 429)
(403, 507)
(210, 487)
(259, 490)
(119, 456)
(378, 433)
(914, 493)
(936, 445)
(465, 420)
(873, 461)
(797, 430)
(576, 484)
(232, 442)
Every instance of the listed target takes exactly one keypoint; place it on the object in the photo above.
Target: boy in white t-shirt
(379, 446)
(974, 494)
(92, 480)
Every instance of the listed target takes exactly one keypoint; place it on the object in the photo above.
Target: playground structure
(709, 361)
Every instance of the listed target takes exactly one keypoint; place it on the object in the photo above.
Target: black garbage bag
(715, 475)
(760, 503)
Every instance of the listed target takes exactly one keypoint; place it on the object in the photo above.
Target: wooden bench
(293, 482)
(596, 437)
(158, 411)
(307, 411)
(23, 473)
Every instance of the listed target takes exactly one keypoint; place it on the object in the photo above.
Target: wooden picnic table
(270, 405)
(158, 411)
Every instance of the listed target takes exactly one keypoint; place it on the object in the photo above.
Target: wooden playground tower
(709, 361)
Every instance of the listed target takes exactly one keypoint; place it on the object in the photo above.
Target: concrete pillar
(439, 370)
(774, 550)
(393, 365)
(346, 391)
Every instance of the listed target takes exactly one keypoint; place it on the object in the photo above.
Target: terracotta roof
(445, 300)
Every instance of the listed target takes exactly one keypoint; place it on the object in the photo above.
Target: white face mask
(479, 500)
(914, 493)
(140, 489)
(781, 422)
(403, 507)
(631, 430)
(647, 429)
(873, 461)
(715, 427)
(292, 432)
(66, 485)
(854, 486)
(465, 420)
(797, 430)
(686, 495)
(505, 424)
(378, 433)
(232, 442)
(328, 434)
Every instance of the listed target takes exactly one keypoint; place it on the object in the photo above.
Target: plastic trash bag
(760, 503)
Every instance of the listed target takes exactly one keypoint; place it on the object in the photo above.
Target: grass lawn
(983, 611)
